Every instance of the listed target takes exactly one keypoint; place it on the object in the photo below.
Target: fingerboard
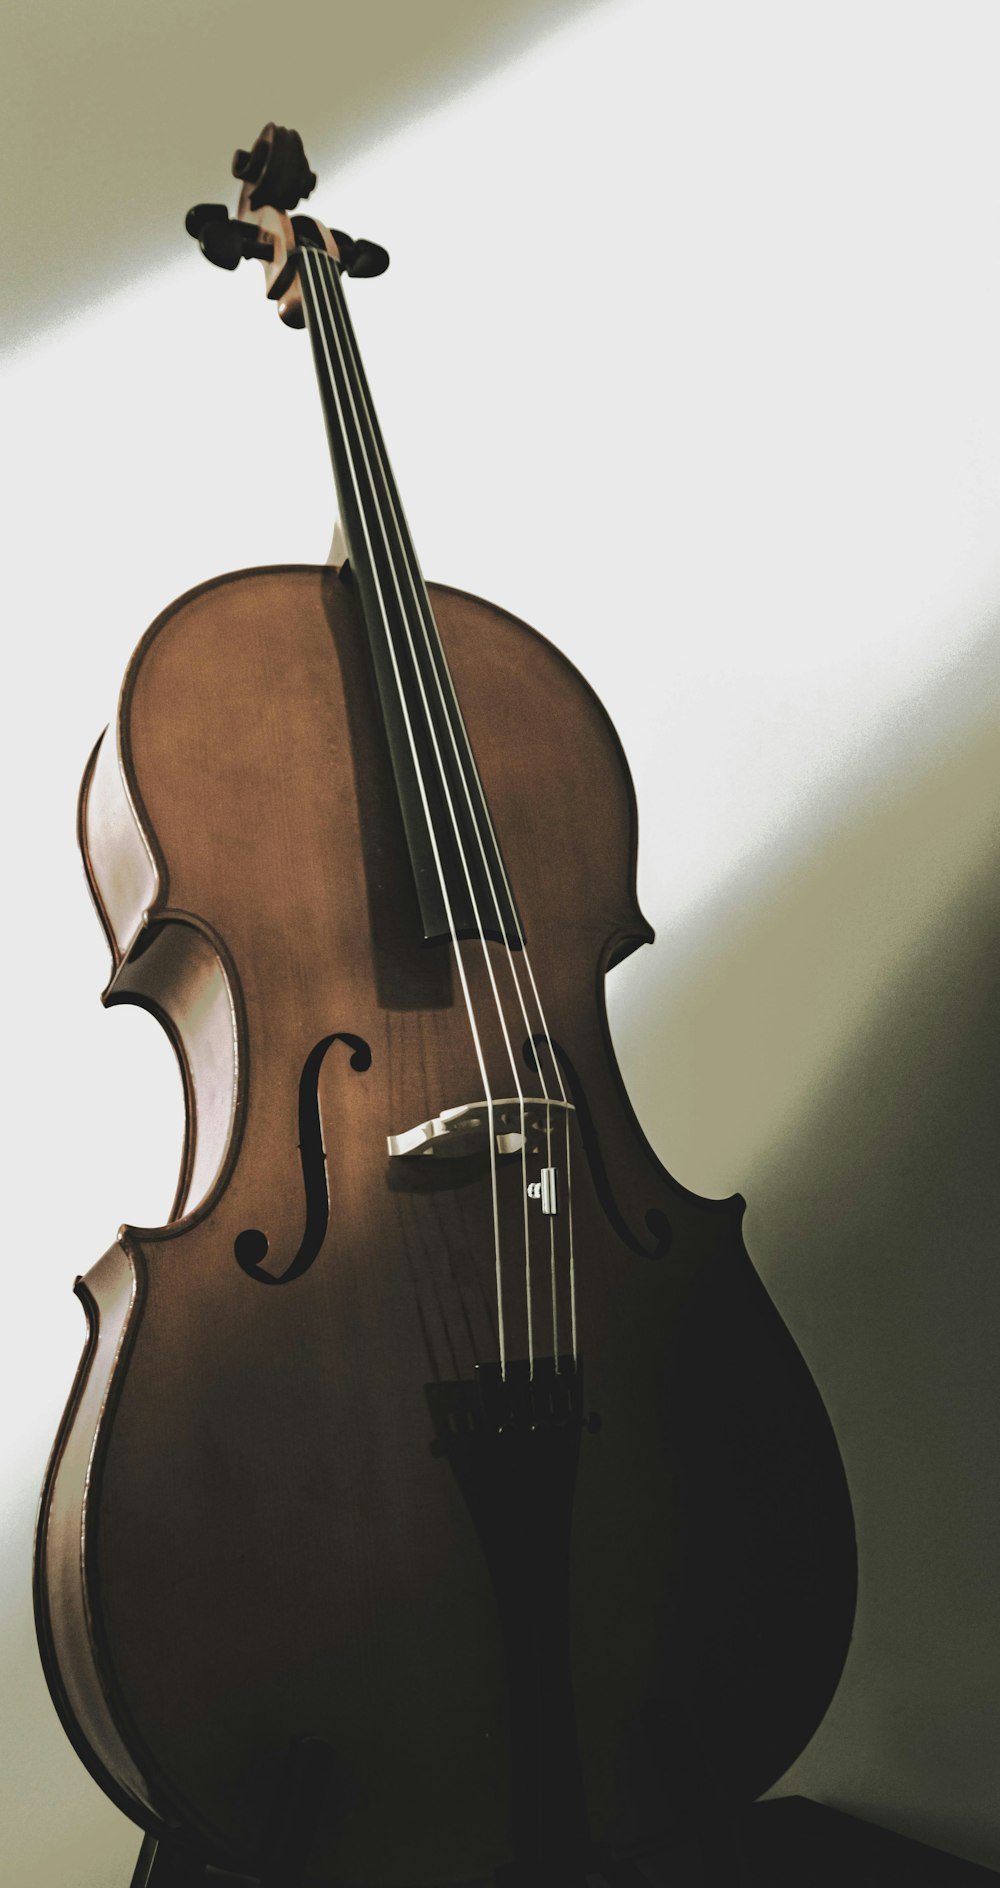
(462, 885)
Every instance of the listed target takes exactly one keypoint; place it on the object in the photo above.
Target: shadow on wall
(849, 1032)
(880, 1227)
(123, 119)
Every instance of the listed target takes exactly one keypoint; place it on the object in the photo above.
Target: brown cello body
(270, 1513)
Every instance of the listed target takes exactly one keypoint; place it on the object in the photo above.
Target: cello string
(342, 336)
(315, 258)
(430, 628)
(428, 624)
(317, 330)
(430, 631)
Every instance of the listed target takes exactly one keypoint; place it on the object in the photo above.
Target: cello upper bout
(168, 964)
(120, 868)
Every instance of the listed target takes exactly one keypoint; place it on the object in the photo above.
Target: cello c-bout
(440, 1430)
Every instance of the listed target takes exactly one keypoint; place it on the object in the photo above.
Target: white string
(429, 627)
(477, 1045)
(312, 256)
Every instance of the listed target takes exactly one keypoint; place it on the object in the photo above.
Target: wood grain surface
(272, 1545)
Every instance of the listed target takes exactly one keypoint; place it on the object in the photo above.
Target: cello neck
(462, 885)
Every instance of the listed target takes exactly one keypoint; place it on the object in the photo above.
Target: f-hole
(251, 1247)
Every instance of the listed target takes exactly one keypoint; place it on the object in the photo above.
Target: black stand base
(795, 1843)
(288, 1838)
(790, 1843)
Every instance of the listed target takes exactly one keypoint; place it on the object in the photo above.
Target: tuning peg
(198, 219)
(359, 256)
(226, 242)
(276, 170)
(249, 164)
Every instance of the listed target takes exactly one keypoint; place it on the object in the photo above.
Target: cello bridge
(466, 1130)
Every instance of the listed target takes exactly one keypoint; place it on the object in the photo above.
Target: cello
(439, 1484)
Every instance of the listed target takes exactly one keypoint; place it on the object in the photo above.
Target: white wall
(689, 355)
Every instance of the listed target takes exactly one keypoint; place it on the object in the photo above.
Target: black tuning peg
(276, 170)
(198, 219)
(360, 257)
(224, 240)
(248, 165)
(357, 255)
